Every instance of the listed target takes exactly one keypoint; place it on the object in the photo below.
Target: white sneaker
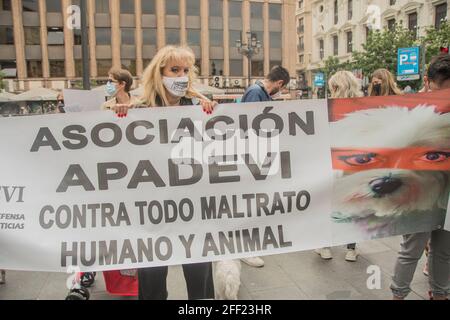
(256, 262)
(325, 253)
(351, 255)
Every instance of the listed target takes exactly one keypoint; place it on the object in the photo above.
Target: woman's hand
(208, 106)
(122, 109)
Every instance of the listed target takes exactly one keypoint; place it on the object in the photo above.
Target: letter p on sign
(403, 58)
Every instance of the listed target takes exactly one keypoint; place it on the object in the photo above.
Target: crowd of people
(168, 81)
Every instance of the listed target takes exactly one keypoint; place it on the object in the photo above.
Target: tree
(436, 38)
(332, 65)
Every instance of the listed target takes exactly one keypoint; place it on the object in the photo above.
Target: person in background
(168, 81)
(60, 103)
(383, 84)
(118, 87)
(343, 84)
(266, 90)
(413, 245)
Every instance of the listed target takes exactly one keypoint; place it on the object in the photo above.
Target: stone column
(160, 23)
(139, 38)
(44, 39)
(92, 38)
(226, 39)
(183, 31)
(204, 18)
(266, 38)
(245, 28)
(19, 39)
(68, 41)
(116, 36)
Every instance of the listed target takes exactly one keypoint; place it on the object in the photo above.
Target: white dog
(227, 279)
(375, 198)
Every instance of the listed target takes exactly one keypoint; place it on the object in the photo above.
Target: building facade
(304, 44)
(37, 40)
(341, 26)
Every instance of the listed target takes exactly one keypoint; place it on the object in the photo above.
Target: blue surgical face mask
(111, 89)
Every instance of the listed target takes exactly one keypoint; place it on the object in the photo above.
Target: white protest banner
(82, 100)
(154, 188)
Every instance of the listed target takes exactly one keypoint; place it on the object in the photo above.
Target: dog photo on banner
(391, 159)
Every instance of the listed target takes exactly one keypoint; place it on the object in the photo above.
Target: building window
(216, 38)
(301, 25)
(198, 65)
(257, 68)
(5, 5)
(335, 45)
(193, 8)
(129, 65)
(146, 63)
(173, 36)
(34, 69)
(127, 6)
(274, 63)
(55, 36)
(216, 68)
(350, 9)
(57, 68)
(392, 2)
(274, 11)
(193, 37)
(300, 4)
(103, 67)
(77, 37)
(30, 5)
(215, 8)
(128, 36)
(391, 24)
(336, 12)
(32, 35)
(349, 42)
(236, 68)
(235, 8)
(301, 44)
(173, 8)
(6, 35)
(234, 35)
(53, 6)
(78, 68)
(256, 10)
(301, 59)
(102, 6)
(275, 39)
(412, 23)
(148, 6)
(103, 36)
(321, 49)
(149, 36)
(440, 15)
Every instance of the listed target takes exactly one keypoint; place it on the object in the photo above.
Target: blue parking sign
(319, 80)
(408, 63)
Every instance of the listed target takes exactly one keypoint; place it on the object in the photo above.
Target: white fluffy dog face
(390, 191)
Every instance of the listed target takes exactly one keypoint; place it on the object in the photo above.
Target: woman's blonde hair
(343, 84)
(153, 79)
(388, 84)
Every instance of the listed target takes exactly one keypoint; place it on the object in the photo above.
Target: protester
(268, 89)
(383, 84)
(168, 81)
(343, 84)
(118, 87)
(413, 245)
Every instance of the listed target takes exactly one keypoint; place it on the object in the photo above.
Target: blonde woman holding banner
(168, 81)
(343, 84)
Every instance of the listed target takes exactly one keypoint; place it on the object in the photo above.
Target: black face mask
(377, 89)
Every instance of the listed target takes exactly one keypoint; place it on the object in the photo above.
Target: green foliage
(332, 65)
(435, 39)
(79, 84)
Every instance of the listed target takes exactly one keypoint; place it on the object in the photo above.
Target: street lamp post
(249, 49)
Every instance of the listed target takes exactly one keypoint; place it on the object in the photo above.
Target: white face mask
(176, 86)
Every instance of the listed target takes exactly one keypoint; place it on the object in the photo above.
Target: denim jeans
(411, 251)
